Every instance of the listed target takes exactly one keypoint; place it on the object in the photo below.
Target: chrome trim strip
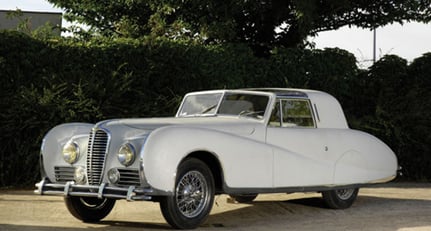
(316, 112)
(317, 188)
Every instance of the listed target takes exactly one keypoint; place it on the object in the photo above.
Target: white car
(236, 142)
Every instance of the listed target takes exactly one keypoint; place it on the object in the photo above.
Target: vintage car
(236, 142)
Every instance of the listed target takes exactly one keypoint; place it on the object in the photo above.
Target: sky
(408, 41)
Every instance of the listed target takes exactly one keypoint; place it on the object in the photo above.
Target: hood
(235, 125)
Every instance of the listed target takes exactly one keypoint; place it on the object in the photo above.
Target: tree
(125, 18)
(261, 24)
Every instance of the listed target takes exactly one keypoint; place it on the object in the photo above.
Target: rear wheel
(193, 197)
(244, 198)
(89, 209)
(340, 198)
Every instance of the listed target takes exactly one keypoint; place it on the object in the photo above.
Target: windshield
(240, 104)
(201, 104)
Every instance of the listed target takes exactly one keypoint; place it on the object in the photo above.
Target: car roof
(280, 92)
(329, 111)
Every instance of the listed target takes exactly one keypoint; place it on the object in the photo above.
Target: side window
(275, 121)
(296, 113)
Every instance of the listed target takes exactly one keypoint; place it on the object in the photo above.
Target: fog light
(79, 176)
(113, 175)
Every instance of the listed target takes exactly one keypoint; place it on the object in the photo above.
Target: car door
(300, 150)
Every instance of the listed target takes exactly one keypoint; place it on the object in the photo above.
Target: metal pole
(374, 45)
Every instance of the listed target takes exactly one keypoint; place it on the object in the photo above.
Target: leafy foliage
(262, 25)
(43, 84)
(394, 102)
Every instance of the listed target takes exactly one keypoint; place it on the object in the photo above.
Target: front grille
(64, 174)
(128, 177)
(97, 149)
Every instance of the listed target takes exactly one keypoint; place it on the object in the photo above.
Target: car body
(238, 142)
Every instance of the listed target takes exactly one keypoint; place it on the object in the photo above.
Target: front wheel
(89, 209)
(193, 197)
(340, 198)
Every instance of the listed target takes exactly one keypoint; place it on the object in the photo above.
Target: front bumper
(131, 193)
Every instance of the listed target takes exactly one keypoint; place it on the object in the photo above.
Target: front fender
(54, 141)
(245, 162)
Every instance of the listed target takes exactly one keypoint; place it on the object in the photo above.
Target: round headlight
(126, 154)
(71, 152)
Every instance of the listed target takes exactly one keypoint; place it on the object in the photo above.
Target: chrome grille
(129, 177)
(64, 174)
(97, 148)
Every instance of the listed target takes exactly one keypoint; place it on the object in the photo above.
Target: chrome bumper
(132, 193)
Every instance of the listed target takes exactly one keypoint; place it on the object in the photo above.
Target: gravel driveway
(387, 207)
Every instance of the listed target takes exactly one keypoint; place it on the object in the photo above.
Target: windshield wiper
(208, 109)
(254, 114)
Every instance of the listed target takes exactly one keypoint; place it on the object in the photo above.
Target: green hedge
(45, 83)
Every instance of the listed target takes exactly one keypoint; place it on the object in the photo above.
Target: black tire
(194, 196)
(244, 198)
(89, 209)
(340, 198)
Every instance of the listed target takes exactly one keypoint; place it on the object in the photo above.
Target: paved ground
(390, 207)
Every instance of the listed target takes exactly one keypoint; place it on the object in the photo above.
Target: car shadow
(295, 213)
(107, 225)
(140, 225)
(279, 214)
(316, 202)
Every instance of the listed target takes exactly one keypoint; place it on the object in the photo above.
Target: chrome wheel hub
(344, 194)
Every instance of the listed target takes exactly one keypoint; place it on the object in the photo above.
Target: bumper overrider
(104, 190)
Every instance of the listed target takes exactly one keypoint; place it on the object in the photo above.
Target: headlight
(71, 152)
(126, 154)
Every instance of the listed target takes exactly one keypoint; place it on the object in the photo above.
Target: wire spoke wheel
(193, 197)
(344, 194)
(340, 198)
(192, 194)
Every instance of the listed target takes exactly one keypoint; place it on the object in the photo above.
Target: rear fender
(368, 160)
